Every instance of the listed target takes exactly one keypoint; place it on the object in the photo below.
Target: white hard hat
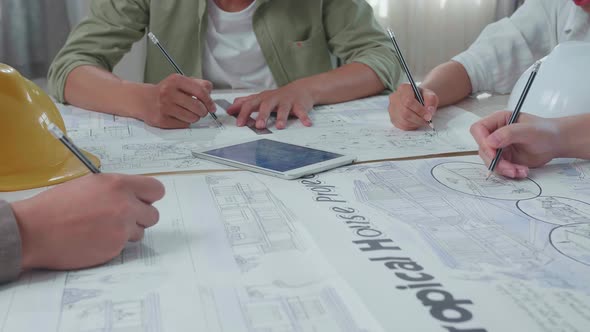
(562, 85)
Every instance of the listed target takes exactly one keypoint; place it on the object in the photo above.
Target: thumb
(513, 134)
(430, 101)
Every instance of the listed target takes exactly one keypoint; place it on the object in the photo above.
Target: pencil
(515, 114)
(57, 133)
(406, 69)
(176, 67)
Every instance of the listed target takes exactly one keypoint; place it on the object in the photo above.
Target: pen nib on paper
(489, 175)
(431, 125)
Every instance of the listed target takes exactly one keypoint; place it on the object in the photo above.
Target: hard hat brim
(70, 169)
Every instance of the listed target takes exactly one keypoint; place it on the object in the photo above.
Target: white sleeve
(505, 49)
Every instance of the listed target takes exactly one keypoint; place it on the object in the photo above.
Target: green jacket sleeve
(100, 40)
(355, 36)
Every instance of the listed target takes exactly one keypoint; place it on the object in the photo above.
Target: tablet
(287, 161)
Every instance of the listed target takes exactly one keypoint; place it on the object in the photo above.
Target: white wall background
(433, 31)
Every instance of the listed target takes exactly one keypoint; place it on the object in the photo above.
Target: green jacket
(297, 38)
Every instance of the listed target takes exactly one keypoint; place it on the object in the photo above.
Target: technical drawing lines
(470, 179)
(272, 309)
(141, 315)
(556, 210)
(462, 231)
(256, 222)
(573, 241)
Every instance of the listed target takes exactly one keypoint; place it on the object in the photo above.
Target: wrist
(308, 87)
(140, 98)
(571, 139)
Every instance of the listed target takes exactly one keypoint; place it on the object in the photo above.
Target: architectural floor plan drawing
(276, 308)
(142, 314)
(138, 157)
(471, 222)
(369, 134)
(228, 255)
(573, 241)
(256, 223)
(556, 210)
(360, 128)
(480, 238)
(470, 179)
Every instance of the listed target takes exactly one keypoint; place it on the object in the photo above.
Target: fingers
(136, 234)
(516, 133)
(266, 107)
(406, 112)
(283, 115)
(300, 112)
(167, 122)
(183, 114)
(430, 103)
(494, 121)
(237, 105)
(199, 88)
(504, 167)
(248, 107)
(146, 189)
(147, 215)
(190, 103)
(480, 133)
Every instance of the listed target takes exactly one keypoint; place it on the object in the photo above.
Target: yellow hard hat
(30, 156)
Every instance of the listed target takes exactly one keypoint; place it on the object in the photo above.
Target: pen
(178, 70)
(55, 131)
(515, 114)
(406, 69)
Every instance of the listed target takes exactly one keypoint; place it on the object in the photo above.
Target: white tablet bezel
(288, 175)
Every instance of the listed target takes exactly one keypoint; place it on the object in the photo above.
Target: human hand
(87, 221)
(293, 99)
(406, 112)
(177, 102)
(531, 142)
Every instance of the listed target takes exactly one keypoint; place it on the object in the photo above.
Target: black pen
(55, 131)
(406, 69)
(178, 70)
(515, 114)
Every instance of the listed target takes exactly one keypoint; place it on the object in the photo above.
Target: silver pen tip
(153, 38)
(489, 174)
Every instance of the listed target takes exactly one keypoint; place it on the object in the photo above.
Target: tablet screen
(273, 155)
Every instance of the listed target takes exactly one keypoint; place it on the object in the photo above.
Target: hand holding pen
(407, 113)
(187, 110)
(514, 116)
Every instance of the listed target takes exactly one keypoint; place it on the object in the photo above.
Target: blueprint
(361, 128)
(506, 248)
(422, 245)
(227, 255)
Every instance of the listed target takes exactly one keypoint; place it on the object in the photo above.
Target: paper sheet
(361, 128)
(446, 248)
(424, 245)
(228, 255)
(129, 146)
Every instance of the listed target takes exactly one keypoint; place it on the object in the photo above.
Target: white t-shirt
(232, 58)
(505, 49)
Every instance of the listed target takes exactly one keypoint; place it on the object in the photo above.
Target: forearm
(96, 89)
(575, 141)
(449, 81)
(349, 82)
